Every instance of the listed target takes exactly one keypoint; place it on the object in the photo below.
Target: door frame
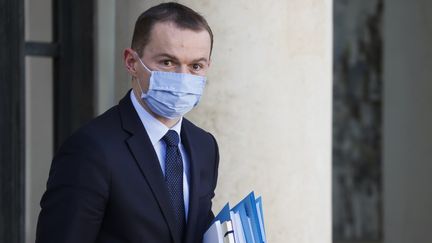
(72, 50)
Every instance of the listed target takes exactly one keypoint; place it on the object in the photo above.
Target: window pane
(38, 20)
(39, 135)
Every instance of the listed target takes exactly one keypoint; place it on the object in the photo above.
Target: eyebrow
(176, 59)
(200, 59)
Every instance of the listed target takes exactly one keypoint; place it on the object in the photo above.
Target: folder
(260, 217)
(220, 233)
(244, 223)
(223, 215)
(214, 233)
(239, 236)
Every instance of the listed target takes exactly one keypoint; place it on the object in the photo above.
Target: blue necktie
(174, 178)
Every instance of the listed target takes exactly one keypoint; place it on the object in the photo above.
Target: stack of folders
(243, 223)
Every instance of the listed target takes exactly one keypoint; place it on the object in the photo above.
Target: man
(141, 172)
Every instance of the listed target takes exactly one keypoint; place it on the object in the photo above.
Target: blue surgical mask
(172, 95)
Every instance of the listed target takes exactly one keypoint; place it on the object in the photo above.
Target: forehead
(167, 38)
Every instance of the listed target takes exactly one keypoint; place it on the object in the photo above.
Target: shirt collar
(155, 129)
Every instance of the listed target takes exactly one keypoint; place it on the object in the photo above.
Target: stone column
(407, 121)
(268, 102)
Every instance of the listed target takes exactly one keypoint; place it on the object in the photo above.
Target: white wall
(268, 102)
(408, 121)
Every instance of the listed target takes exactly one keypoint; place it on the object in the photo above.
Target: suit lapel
(190, 146)
(140, 146)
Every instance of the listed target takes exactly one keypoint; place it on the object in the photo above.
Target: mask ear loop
(139, 83)
(142, 63)
(142, 91)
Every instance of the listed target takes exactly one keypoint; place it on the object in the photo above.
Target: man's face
(172, 49)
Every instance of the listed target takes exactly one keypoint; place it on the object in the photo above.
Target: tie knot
(171, 138)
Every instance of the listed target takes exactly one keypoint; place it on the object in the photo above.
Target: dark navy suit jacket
(106, 184)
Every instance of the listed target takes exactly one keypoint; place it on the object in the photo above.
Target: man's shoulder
(105, 122)
(198, 134)
(194, 129)
(100, 129)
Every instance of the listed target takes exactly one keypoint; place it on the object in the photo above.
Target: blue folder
(251, 216)
(223, 215)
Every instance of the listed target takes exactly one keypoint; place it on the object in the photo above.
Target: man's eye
(167, 63)
(196, 67)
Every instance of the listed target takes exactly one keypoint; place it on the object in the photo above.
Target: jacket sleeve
(72, 208)
(215, 177)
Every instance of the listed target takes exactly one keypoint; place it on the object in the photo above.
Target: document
(220, 233)
(244, 223)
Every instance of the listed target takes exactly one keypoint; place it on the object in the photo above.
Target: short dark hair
(182, 16)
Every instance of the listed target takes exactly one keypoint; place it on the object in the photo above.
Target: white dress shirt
(156, 130)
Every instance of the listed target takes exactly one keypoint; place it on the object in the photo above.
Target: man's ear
(130, 61)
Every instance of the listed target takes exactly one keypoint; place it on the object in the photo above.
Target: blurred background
(322, 107)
